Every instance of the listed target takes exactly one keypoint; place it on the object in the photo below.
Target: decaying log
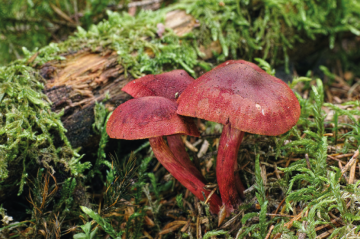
(76, 84)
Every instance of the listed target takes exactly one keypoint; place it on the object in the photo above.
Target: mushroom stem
(230, 141)
(182, 174)
(177, 147)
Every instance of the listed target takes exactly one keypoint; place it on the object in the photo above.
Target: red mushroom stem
(177, 147)
(190, 181)
(226, 164)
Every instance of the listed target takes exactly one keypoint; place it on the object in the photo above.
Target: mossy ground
(300, 184)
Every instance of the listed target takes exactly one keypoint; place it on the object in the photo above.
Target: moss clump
(31, 24)
(28, 126)
(270, 28)
(135, 41)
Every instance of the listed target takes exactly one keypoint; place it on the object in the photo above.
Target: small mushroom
(169, 85)
(154, 117)
(244, 98)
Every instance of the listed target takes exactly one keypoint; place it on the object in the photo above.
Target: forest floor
(302, 184)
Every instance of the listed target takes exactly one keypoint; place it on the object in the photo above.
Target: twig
(344, 155)
(189, 145)
(325, 234)
(143, 3)
(277, 209)
(198, 228)
(304, 224)
(229, 222)
(333, 158)
(156, 166)
(250, 189)
(326, 225)
(290, 223)
(307, 161)
(278, 215)
(171, 229)
(351, 162)
(186, 226)
(269, 233)
(352, 173)
(203, 149)
(210, 194)
(189, 205)
(341, 167)
(276, 171)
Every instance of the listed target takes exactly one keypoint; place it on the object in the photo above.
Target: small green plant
(258, 230)
(210, 234)
(105, 225)
(99, 126)
(88, 233)
(265, 66)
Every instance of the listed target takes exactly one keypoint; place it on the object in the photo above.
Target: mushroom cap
(229, 62)
(168, 85)
(246, 96)
(148, 117)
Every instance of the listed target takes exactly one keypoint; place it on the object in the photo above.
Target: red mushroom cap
(229, 62)
(168, 85)
(250, 99)
(148, 117)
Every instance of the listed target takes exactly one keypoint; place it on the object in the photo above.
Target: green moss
(135, 41)
(31, 24)
(270, 27)
(28, 126)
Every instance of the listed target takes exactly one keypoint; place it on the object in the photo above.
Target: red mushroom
(243, 98)
(154, 117)
(169, 85)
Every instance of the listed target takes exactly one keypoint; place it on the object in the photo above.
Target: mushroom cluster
(237, 94)
(152, 114)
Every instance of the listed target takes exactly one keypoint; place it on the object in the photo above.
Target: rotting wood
(76, 84)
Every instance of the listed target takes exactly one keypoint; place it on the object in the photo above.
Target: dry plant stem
(230, 141)
(182, 174)
(177, 147)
